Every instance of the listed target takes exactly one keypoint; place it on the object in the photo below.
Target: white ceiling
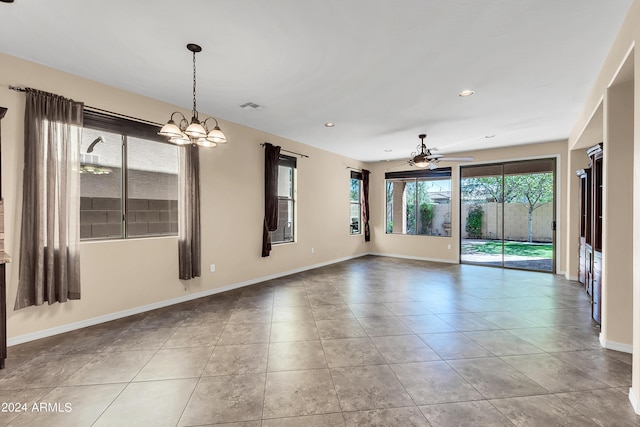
(382, 70)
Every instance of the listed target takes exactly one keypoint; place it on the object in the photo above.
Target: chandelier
(194, 132)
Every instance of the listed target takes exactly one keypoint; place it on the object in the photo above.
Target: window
(286, 200)
(128, 181)
(355, 208)
(419, 202)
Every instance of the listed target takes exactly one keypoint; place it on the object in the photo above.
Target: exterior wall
(516, 223)
(442, 219)
(101, 217)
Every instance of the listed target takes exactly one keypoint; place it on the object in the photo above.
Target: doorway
(507, 215)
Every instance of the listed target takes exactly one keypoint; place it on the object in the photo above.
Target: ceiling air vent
(251, 106)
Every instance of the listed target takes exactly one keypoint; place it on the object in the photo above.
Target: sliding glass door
(507, 215)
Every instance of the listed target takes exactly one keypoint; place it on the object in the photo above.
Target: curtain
(50, 235)
(189, 213)
(365, 204)
(271, 161)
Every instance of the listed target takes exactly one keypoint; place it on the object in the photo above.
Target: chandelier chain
(195, 111)
(195, 132)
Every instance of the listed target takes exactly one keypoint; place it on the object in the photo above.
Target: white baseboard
(617, 346)
(20, 339)
(634, 401)
(447, 261)
(573, 278)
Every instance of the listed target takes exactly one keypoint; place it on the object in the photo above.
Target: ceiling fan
(425, 158)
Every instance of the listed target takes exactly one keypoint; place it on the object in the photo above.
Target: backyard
(530, 256)
(532, 250)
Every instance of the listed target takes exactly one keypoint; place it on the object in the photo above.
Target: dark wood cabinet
(590, 244)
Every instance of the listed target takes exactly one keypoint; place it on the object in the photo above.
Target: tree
(426, 218)
(355, 190)
(389, 207)
(489, 188)
(535, 190)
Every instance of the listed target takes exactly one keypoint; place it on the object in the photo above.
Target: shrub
(426, 218)
(474, 222)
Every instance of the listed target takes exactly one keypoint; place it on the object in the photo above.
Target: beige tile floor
(373, 341)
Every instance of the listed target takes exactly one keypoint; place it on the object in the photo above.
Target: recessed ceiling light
(329, 125)
(388, 150)
(490, 136)
(467, 92)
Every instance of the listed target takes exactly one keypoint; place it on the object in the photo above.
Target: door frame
(555, 208)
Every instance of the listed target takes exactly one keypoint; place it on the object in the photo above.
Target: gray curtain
(50, 234)
(189, 213)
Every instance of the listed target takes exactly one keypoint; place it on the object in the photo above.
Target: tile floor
(373, 341)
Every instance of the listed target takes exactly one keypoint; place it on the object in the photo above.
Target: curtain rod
(354, 169)
(124, 116)
(100, 110)
(290, 152)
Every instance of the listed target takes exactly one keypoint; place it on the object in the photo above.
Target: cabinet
(590, 244)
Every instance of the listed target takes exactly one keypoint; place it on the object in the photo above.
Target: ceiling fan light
(216, 136)
(170, 129)
(195, 129)
(420, 161)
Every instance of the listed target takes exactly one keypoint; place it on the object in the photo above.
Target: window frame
(415, 176)
(126, 127)
(290, 162)
(355, 175)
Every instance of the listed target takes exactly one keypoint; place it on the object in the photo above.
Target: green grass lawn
(538, 250)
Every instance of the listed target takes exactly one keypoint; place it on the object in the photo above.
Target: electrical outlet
(449, 246)
(213, 268)
(312, 250)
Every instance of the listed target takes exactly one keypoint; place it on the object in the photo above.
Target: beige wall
(436, 248)
(123, 275)
(617, 218)
(634, 394)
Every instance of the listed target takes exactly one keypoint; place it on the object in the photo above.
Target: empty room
(319, 213)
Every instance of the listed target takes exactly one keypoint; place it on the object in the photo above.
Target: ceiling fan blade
(456, 159)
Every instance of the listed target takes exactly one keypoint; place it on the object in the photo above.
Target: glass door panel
(529, 214)
(481, 189)
(508, 214)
